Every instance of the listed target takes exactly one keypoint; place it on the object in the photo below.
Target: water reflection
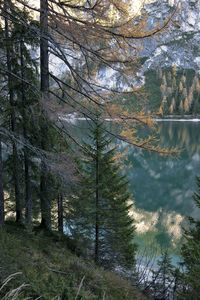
(162, 228)
(163, 188)
(181, 134)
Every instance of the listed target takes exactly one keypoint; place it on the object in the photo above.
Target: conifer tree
(23, 64)
(180, 86)
(191, 253)
(9, 51)
(2, 215)
(186, 105)
(163, 277)
(44, 88)
(99, 216)
(181, 107)
(26, 69)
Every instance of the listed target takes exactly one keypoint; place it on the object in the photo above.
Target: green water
(163, 188)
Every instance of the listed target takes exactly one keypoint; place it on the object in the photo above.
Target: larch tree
(87, 38)
(110, 40)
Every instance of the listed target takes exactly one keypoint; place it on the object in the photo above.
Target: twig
(79, 288)
(57, 271)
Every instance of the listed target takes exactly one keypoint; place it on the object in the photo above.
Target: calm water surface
(162, 187)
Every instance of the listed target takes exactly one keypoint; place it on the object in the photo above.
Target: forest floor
(48, 268)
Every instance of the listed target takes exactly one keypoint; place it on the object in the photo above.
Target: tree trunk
(28, 200)
(2, 215)
(96, 257)
(60, 212)
(45, 204)
(44, 73)
(44, 56)
(13, 123)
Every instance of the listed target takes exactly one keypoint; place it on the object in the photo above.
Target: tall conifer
(99, 215)
(191, 254)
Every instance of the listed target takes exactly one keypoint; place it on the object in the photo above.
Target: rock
(180, 44)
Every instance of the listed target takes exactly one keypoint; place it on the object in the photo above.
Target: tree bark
(44, 87)
(96, 257)
(2, 214)
(60, 212)
(28, 200)
(13, 122)
(45, 204)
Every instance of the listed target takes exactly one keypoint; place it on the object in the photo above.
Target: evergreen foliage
(191, 254)
(163, 278)
(99, 213)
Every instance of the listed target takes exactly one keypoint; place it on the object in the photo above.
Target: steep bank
(53, 271)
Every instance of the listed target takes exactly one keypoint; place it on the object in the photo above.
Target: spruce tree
(9, 51)
(99, 213)
(22, 166)
(25, 108)
(27, 70)
(191, 254)
(163, 279)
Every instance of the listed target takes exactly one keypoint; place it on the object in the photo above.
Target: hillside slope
(52, 271)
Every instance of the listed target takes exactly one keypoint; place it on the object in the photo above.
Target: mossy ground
(52, 271)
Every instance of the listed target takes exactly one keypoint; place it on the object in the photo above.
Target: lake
(163, 187)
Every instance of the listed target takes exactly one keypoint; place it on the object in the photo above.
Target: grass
(43, 267)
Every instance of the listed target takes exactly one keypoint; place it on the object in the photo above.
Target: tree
(181, 106)
(163, 278)
(2, 216)
(99, 213)
(27, 70)
(186, 105)
(21, 47)
(111, 38)
(9, 59)
(191, 254)
(44, 87)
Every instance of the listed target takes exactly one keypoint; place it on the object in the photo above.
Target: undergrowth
(42, 265)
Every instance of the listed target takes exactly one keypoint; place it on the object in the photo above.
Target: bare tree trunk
(96, 257)
(28, 200)
(13, 123)
(60, 212)
(45, 204)
(2, 214)
(44, 73)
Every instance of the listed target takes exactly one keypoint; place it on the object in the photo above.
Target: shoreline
(74, 118)
(176, 120)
